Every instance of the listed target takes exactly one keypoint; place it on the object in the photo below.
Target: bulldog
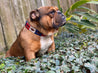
(37, 36)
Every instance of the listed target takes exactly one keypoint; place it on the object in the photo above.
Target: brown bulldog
(36, 37)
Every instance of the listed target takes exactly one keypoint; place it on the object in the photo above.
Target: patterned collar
(32, 29)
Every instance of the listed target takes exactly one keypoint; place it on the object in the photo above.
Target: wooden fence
(13, 14)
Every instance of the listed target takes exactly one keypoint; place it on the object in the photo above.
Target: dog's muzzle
(59, 20)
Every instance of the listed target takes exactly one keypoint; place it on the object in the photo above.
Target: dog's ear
(34, 15)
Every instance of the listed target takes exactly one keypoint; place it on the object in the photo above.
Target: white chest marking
(45, 44)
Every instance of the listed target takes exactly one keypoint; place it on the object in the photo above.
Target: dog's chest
(45, 44)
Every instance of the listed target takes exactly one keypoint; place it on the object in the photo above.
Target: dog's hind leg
(7, 54)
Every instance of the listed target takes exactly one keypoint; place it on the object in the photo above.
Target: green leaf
(78, 3)
(56, 56)
(75, 5)
(67, 12)
(76, 17)
(89, 16)
(58, 71)
(86, 8)
(26, 70)
(2, 66)
(71, 58)
(59, 5)
(71, 28)
(9, 71)
(76, 55)
(85, 23)
(57, 62)
(91, 67)
(88, 23)
(75, 68)
(93, 2)
(69, 18)
(65, 68)
(50, 72)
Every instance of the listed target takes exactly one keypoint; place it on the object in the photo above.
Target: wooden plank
(2, 44)
(33, 4)
(64, 5)
(54, 3)
(73, 1)
(39, 3)
(46, 2)
(69, 2)
(25, 9)
(97, 8)
(93, 7)
(7, 21)
(16, 15)
(28, 5)
(20, 8)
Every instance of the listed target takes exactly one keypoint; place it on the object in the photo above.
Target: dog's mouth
(57, 25)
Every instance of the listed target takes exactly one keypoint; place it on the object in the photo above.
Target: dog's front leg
(52, 48)
(29, 54)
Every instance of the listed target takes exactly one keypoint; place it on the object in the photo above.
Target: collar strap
(32, 29)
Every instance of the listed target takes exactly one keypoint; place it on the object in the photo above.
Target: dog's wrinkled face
(48, 17)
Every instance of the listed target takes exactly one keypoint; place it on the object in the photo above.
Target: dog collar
(32, 29)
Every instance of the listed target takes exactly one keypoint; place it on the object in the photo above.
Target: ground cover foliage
(74, 54)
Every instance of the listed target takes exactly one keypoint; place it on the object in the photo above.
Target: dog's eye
(52, 12)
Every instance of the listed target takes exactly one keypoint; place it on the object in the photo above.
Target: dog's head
(48, 17)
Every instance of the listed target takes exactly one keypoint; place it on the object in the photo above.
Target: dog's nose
(59, 12)
(63, 18)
